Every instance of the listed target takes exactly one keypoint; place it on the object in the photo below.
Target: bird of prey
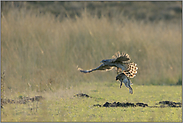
(120, 61)
(123, 78)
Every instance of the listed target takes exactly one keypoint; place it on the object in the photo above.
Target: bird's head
(103, 61)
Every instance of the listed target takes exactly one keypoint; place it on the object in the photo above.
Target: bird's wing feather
(101, 67)
(123, 57)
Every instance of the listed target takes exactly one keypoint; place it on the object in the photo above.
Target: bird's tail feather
(118, 54)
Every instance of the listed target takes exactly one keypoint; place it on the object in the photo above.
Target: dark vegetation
(149, 11)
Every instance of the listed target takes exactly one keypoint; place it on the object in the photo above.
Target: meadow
(40, 55)
(62, 106)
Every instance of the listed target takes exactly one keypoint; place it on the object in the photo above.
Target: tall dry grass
(41, 53)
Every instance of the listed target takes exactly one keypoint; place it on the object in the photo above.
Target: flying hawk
(120, 61)
(123, 78)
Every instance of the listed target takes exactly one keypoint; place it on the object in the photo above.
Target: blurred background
(42, 43)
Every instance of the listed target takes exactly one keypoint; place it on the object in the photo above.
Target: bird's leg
(120, 84)
(130, 90)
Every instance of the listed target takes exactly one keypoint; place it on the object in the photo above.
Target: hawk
(123, 78)
(120, 61)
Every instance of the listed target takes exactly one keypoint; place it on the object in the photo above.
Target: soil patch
(118, 104)
(162, 104)
(169, 104)
(82, 95)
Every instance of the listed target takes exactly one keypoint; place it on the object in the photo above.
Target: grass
(62, 106)
(40, 56)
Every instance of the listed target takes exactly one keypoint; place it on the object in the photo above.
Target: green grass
(62, 106)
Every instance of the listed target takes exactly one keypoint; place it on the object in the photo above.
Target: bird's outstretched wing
(120, 61)
(123, 57)
(101, 67)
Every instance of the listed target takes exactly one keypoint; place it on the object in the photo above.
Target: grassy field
(62, 106)
(40, 55)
